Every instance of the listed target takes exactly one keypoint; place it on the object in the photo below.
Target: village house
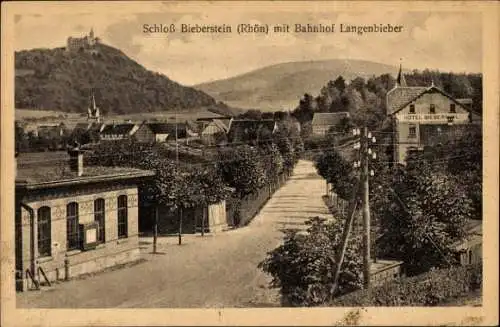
(139, 132)
(51, 131)
(425, 116)
(248, 130)
(178, 130)
(322, 122)
(161, 131)
(207, 120)
(72, 220)
(214, 129)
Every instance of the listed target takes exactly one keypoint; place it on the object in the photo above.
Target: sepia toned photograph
(254, 155)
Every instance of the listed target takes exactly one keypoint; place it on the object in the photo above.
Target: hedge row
(427, 289)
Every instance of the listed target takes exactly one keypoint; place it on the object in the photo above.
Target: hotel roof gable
(431, 89)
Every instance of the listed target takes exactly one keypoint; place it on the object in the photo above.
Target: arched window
(44, 237)
(72, 233)
(99, 217)
(122, 216)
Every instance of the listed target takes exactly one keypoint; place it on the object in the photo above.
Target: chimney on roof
(76, 161)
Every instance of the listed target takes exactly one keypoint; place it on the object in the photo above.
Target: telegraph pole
(345, 237)
(365, 155)
(348, 223)
(366, 209)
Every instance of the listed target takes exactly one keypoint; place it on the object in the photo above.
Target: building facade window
(453, 108)
(44, 232)
(122, 216)
(99, 218)
(412, 108)
(432, 109)
(72, 230)
(412, 131)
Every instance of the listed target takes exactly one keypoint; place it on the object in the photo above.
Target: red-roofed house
(426, 116)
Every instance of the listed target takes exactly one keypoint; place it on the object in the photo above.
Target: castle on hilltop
(82, 44)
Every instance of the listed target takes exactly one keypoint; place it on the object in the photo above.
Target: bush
(428, 289)
(303, 266)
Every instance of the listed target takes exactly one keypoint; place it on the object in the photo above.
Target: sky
(448, 41)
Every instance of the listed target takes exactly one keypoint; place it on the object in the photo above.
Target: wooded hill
(53, 79)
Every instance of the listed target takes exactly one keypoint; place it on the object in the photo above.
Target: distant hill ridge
(280, 86)
(56, 79)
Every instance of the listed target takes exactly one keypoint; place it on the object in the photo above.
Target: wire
(116, 155)
(167, 147)
(439, 160)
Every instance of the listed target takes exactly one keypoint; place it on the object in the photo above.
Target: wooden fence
(240, 212)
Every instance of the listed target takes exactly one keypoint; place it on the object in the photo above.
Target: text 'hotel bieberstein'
(267, 29)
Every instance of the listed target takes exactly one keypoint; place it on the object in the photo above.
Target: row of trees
(237, 171)
(419, 214)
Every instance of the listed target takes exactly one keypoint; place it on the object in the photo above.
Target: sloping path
(212, 271)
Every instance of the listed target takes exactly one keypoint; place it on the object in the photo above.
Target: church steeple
(93, 110)
(91, 34)
(401, 81)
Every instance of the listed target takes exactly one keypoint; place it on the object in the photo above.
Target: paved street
(213, 271)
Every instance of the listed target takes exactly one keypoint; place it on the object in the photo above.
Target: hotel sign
(436, 118)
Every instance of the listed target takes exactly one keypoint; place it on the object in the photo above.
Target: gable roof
(50, 126)
(118, 129)
(329, 118)
(240, 127)
(194, 126)
(222, 124)
(88, 127)
(209, 119)
(400, 97)
(159, 128)
(168, 128)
